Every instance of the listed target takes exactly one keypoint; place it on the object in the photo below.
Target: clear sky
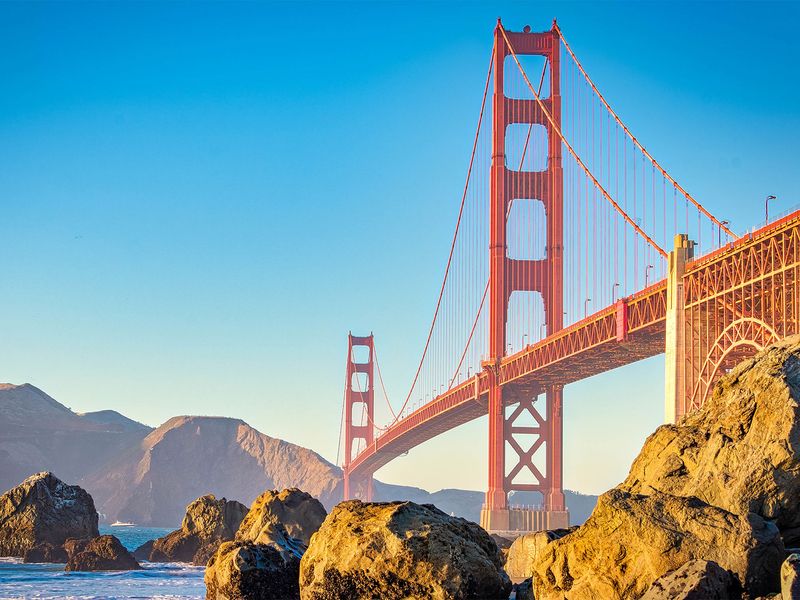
(200, 200)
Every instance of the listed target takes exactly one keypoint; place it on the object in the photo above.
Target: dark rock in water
(143, 551)
(46, 553)
(102, 553)
(790, 578)
(695, 580)
(741, 451)
(397, 550)
(299, 512)
(208, 522)
(243, 570)
(44, 509)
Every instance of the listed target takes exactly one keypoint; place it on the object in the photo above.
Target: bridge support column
(358, 389)
(675, 341)
(494, 516)
(554, 499)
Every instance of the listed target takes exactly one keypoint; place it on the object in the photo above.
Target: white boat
(122, 524)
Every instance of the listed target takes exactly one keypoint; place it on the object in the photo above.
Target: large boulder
(393, 550)
(525, 550)
(245, 570)
(299, 512)
(741, 451)
(208, 522)
(44, 509)
(696, 580)
(632, 540)
(103, 553)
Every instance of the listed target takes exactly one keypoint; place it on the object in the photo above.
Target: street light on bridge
(766, 207)
(646, 274)
(719, 232)
(614, 292)
(586, 307)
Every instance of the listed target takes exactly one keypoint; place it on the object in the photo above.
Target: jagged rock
(524, 590)
(244, 570)
(299, 512)
(102, 553)
(46, 553)
(631, 540)
(208, 522)
(741, 451)
(790, 578)
(696, 580)
(393, 550)
(525, 550)
(44, 509)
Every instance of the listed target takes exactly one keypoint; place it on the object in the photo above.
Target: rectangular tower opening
(526, 147)
(514, 84)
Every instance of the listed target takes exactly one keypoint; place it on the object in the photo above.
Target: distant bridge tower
(507, 275)
(358, 389)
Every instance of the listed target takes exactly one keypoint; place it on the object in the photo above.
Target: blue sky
(200, 200)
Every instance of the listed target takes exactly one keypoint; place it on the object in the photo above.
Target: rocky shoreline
(710, 509)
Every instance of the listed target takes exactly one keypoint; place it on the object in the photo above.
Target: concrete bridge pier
(675, 342)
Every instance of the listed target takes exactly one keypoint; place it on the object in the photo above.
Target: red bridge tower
(358, 389)
(507, 275)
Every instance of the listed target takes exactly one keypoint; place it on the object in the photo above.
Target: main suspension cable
(633, 138)
(455, 236)
(508, 212)
(557, 129)
(380, 378)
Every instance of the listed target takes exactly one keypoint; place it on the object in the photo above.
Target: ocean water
(157, 580)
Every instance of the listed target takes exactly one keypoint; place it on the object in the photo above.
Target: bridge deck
(618, 335)
(589, 347)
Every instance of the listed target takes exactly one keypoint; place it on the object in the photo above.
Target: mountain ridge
(148, 475)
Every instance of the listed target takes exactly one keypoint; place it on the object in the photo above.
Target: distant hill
(115, 421)
(190, 456)
(37, 433)
(148, 476)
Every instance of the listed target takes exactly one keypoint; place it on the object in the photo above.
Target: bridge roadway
(621, 334)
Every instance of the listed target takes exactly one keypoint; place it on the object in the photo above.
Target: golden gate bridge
(597, 258)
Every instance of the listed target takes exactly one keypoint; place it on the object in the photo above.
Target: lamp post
(766, 207)
(646, 274)
(614, 292)
(586, 307)
(723, 224)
